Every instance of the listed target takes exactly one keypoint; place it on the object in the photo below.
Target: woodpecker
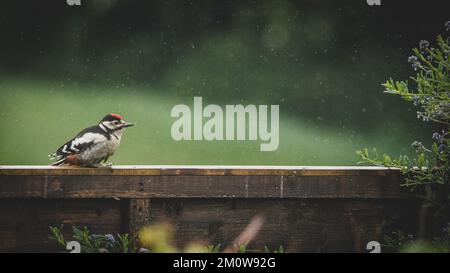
(93, 145)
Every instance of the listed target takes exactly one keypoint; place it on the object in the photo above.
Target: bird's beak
(127, 124)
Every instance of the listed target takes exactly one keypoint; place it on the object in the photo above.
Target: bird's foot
(108, 165)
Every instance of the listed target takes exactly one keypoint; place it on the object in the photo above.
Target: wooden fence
(306, 209)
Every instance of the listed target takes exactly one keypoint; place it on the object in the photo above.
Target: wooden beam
(200, 182)
(197, 170)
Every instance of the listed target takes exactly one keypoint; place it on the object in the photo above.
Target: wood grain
(200, 182)
(194, 186)
(198, 170)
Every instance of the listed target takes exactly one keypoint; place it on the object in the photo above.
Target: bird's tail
(59, 159)
(59, 162)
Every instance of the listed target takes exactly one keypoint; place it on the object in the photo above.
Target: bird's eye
(115, 122)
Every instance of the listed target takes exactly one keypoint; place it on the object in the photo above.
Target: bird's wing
(83, 141)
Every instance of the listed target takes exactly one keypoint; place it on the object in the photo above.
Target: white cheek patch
(108, 125)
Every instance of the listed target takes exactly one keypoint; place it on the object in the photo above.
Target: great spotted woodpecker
(93, 145)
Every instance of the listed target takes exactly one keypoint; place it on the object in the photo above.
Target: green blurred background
(63, 68)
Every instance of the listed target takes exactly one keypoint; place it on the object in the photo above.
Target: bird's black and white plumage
(93, 145)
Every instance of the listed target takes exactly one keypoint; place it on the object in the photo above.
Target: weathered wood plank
(202, 186)
(299, 225)
(198, 170)
(139, 217)
(24, 223)
(317, 225)
(367, 222)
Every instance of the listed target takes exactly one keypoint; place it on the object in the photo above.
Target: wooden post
(139, 217)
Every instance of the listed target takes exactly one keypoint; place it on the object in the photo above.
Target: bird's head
(114, 122)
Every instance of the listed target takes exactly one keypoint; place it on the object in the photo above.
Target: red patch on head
(117, 116)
